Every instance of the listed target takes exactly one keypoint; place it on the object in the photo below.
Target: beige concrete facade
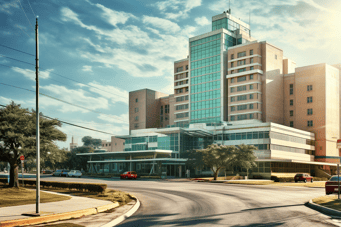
(114, 145)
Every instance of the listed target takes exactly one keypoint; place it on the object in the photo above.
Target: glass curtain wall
(205, 79)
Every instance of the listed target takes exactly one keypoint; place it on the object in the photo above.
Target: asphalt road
(167, 203)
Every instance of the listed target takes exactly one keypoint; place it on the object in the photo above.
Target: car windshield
(334, 178)
(299, 175)
(125, 173)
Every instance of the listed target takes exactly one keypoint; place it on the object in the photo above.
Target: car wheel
(305, 180)
(312, 180)
(295, 181)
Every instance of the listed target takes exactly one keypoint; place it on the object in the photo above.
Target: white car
(74, 173)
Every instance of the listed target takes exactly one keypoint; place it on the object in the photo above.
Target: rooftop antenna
(230, 6)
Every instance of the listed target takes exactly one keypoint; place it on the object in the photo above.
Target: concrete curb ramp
(58, 217)
(323, 209)
(123, 217)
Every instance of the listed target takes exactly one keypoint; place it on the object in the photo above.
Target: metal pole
(37, 123)
(338, 181)
(22, 173)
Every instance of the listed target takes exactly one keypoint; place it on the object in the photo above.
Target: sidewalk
(74, 204)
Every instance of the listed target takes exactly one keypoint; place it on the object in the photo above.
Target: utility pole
(37, 124)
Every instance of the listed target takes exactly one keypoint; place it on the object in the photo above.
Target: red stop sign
(22, 158)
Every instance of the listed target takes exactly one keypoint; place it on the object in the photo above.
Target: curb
(58, 217)
(123, 217)
(323, 209)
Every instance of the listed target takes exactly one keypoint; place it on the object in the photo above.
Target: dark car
(332, 185)
(129, 175)
(303, 177)
(60, 172)
(47, 171)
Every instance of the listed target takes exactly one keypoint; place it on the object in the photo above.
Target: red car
(303, 177)
(129, 175)
(331, 185)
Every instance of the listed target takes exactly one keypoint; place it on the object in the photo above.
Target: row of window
(166, 109)
(241, 62)
(181, 68)
(205, 62)
(205, 78)
(207, 39)
(309, 112)
(242, 97)
(242, 70)
(205, 96)
(309, 123)
(182, 107)
(241, 54)
(242, 78)
(243, 135)
(181, 82)
(291, 88)
(242, 117)
(243, 107)
(181, 115)
(182, 98)
(309, 100)
(205, 70)
(205, 87)
(181, 90)
(181, 76)
(205, 104)
(205, 53)
(242, 88)
(214, 112)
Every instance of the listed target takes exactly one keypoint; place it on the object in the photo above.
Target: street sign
(22, 158)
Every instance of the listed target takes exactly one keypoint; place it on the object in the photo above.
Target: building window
(232, 80)
(186, 67)
(291, 90)
(232, 118)
(251, 116)
(161, 118)
(136, 100)
(310, 123)
(291, 102)
(251, 77)
(232, 56)
(166, 118)
(310, 111)
(186, 89)
(232, 99)
(233, 89)
(166, 109)
(251, 52)
(275, 56)
(241, 70)
(241, 88)
(251, 96)
(182, 98)
(251, 86)
(232, 64)
(309, 87)
(181, 115)
(136, 109)
(232, 71)
(251, 60)
(241, 62)
(291, 124)
(136, 118)
(309, 99)
(242, 97)
(251, 68)
(241, 54)
(242, 78)
(242, 107)
(182, 107)
(291, 113)
(136, 125)
(179, 69)
(233, 108)
(251, 106)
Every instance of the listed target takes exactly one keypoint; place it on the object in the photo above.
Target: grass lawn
(22, 196)
(112, 195)
(320, 184)
(329, 201)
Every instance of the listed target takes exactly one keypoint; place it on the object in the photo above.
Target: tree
(215, 157)
(18, 133)
(78, 161)
(194, 159)
(244, 157)
(91, 142)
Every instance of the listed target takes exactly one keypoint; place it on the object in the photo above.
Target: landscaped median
(328, 204)
(23, 196)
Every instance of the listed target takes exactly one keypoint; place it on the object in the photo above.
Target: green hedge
(90, 187)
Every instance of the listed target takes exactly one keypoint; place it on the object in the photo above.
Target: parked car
(129, 175)
(331, 185)
(60, 172)
(47, 171)
(74, 173)
(303, 177)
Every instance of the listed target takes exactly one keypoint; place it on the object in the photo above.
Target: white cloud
(182, 7)
(121, 119)
(202, 21)
(161, 23)
(30, 74)
(5, 7)
(87, 68)
(6, 101)
(113, 93)
(77, 97)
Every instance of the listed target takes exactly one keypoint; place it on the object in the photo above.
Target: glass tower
(208, 68)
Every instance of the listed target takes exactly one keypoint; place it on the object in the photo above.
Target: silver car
(74, 173)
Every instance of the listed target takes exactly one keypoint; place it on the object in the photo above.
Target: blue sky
(113, 47)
